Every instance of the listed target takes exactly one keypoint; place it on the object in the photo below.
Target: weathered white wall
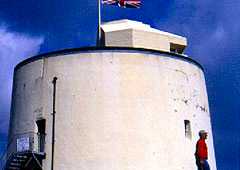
(116, 110)
(26, 103)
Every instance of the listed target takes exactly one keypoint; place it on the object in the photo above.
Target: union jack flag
(123, 3)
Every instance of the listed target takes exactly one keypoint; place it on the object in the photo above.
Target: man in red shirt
(201, 153)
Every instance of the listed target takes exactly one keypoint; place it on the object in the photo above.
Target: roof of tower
(130, 33)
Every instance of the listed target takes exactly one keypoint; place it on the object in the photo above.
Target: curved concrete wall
(116, 109)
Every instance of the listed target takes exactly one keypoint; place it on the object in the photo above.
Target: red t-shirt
(201, 149)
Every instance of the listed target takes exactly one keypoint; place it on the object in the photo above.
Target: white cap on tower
(128, 33)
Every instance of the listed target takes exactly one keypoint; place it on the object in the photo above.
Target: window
(188, 132)
(173, 50)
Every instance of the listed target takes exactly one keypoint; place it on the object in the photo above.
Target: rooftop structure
(128, 33)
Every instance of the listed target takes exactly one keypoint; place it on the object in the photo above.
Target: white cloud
(14, 47)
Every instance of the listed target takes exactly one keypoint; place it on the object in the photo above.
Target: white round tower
(133, 108)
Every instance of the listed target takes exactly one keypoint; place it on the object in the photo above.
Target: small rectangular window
(188, 132)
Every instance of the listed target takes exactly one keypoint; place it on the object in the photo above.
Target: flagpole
(99, 22)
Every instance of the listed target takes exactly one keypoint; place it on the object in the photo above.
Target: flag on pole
(123, 3)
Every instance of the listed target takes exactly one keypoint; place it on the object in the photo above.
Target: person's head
(203, 134)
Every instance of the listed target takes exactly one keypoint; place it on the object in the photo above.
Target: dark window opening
(173, 50)
(188, 131)
(41, 124)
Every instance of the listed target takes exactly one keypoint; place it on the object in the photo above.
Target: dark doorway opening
(41, 124)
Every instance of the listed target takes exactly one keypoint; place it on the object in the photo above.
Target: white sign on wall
(23, 144)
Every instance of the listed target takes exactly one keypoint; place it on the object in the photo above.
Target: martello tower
(135, 103)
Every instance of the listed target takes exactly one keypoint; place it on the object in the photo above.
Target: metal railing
(12, 142)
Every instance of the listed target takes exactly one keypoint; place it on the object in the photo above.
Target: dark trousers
(204, 166)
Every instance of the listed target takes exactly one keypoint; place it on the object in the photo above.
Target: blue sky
(30, 27)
